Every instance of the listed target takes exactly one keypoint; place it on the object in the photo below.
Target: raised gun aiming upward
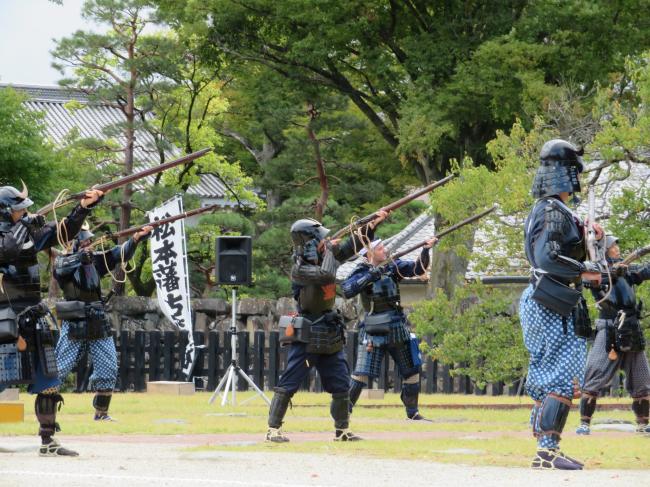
(154, 224)
(393, 206)
(123, 181)
(442, 233)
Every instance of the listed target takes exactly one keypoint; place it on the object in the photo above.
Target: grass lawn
(478, 436)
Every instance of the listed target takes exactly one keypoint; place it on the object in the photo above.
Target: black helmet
(560, 165)
(306, 229)
(13, 200)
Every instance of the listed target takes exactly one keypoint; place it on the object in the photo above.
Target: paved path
(132, 461)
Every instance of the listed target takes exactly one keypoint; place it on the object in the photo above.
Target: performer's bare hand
(600, 233)
(381, 216)
(92, 196)
(431, 242)
(145, 231)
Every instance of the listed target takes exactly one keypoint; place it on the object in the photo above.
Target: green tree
(25, 154)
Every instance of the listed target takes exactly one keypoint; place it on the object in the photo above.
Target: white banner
(169, 266)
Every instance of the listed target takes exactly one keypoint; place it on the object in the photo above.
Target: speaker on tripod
(234, 268)
(234, 261)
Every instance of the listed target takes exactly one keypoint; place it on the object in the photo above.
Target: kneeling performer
(385, 328)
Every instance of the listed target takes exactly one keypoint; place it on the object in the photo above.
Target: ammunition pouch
(8, 326)
(86, 321)
(554, 295)
(581, 319)
(70, 310)
(628, 334)
(378, 324)
(16, 367)
(294, 329)
(323, 336)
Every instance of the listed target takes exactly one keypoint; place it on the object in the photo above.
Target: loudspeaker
(234, 261)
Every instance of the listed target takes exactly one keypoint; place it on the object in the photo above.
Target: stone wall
(138, 313)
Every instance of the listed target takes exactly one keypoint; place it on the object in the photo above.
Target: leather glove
(33, 222)
(310, 252)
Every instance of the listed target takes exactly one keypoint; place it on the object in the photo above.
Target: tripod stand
(229, 381)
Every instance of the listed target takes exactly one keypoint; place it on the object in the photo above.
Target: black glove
(619, 270)
(33, 222)
(310, 251)
(375, 273)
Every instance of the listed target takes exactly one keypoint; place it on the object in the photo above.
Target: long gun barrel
(156, 223)
(637, 254)
(446, 231)
(127, 179)
(393, 206)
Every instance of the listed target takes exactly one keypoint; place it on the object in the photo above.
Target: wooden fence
(153, 355)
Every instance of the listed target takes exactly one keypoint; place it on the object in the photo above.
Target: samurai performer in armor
(85, 325)
(316, 334)
(553, 312)
(26, 341)
(619, 342)
(384, 327)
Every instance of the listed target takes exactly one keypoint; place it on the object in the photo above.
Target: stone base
(372, 393)
(12, 412)
(170, 387)
(9, 394)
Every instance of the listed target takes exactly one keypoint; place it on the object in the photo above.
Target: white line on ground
(139, 478)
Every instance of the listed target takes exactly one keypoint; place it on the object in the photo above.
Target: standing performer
(28, 351)
(553, 313)
(85, 325)
(316, 334)
(619, 342)
(385, 327)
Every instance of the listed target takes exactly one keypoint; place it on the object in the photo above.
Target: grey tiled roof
(93, 120)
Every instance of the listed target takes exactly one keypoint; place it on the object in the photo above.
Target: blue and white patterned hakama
(557, 355)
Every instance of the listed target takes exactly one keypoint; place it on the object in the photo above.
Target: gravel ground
(111, 462)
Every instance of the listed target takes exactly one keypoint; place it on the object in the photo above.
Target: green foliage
(476, 331)
(24, 152)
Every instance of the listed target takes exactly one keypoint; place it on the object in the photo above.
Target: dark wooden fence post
(169, 338)
(154, 355)
(125, 360)
(243, 358)
(213, 360)
(258, 358)
(138, 368)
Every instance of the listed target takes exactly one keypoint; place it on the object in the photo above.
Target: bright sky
(27, 28)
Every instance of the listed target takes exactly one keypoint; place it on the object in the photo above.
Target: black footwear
(553, 460)
(54, 449)
(346, 435)
(563, 455)
(275, 435)
(418, 417)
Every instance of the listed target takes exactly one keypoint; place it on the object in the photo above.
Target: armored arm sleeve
(548, 247)
(46, 236)
(358, 280)
(638, 274)
(354, 244)
(305, 273)
(108, 260)
(9, 247)
(414, 268)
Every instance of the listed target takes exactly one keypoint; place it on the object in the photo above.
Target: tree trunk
(321, 203)
(447, 269)
(129, 134)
